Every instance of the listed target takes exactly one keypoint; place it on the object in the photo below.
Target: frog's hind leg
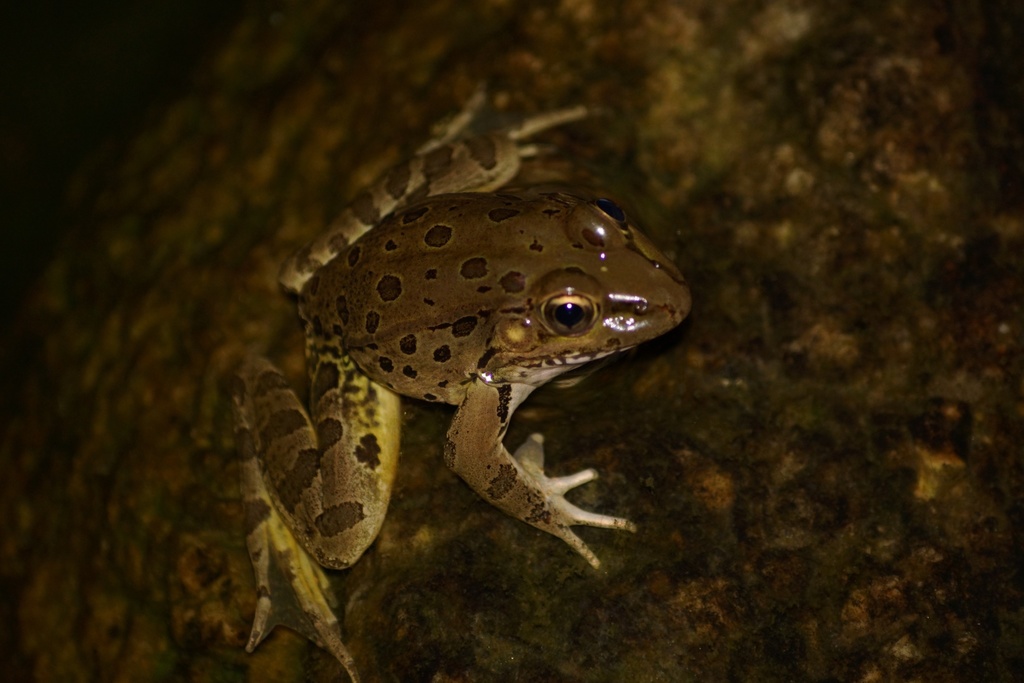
(538, 123)
(454, 126)
(292, 589)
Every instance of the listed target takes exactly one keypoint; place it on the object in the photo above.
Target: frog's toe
(583, 517)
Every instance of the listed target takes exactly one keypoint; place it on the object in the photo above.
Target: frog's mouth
(583, 367)
(564, 370)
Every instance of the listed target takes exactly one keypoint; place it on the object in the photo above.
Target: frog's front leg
(516, 484)
(311, 492)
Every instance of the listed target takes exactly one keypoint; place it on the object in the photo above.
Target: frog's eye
(569, 315)
(612, 209)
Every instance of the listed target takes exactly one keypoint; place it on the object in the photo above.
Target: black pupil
(570, 315)
(612, 209)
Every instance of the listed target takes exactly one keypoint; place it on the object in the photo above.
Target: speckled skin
(426, 301)
(470, 298)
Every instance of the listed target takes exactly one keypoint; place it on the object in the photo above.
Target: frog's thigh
(330, 483)
(357, 427)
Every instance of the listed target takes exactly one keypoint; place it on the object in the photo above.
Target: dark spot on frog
(386, 364)
(443, 383)
(327, 351)
(255, 511)
(437, 236)
(409, 371)
(318, 326)
(270, 380)
(397, 181)
(464, 326)
(483, 289)
(390, 245)
(408, 344)
(299, 477)
(414, 215)
(504, 399)
(389, 288)
(442, 354)
(483, 150)
(353, 256)
(304, 263)
(593, 237)
(339, 518)
(341, 305)
(372, 321)
(438, 162)
(540, 513)
(327, 377)
(474, 268)
(329, 432)
(245, 444)
(337, 330)
(365, 209)
(577, 245)
(337, 244)
(551, 212)
(486, 358)
(431, 274)
(536, 246)
(512, 281)
(368, 450)
(499, 215)
(503, 483)
(281, 424)
(429, 397)
(429, 302)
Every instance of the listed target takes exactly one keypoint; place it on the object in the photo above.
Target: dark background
(75, 80)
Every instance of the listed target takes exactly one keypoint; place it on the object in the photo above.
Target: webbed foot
(530, 456)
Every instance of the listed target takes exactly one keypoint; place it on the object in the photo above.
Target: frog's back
(420, 292)
(416, 300)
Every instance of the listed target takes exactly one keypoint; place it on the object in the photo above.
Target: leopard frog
(434, 286)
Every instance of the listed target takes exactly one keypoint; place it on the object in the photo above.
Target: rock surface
(825, 462)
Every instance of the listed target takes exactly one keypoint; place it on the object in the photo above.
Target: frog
(439, 282)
